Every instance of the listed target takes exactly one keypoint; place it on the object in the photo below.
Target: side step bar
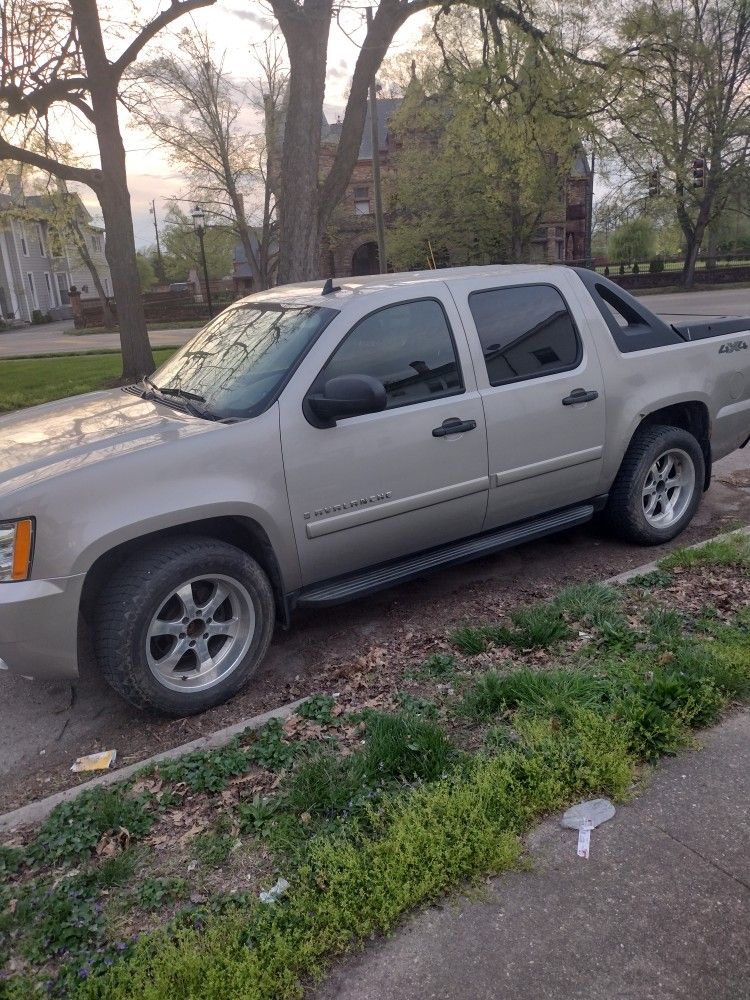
(380, 577)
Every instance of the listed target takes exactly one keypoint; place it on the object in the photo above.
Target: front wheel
(658, 487)
(184, 624)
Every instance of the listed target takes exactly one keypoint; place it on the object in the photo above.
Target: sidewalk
(661, 910)
(50, 339)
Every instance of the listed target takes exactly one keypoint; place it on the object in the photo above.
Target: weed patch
(729, 550)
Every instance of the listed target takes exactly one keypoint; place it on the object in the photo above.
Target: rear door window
(525, 332)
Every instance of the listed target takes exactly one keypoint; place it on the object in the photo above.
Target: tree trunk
(114, 197)
(299, 232)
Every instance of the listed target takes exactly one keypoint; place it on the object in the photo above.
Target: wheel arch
(243, 532)
(689, 415)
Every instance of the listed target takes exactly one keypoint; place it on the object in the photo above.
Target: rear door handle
(453, 425)
(580, 396)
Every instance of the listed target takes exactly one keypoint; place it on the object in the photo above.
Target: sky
(234, 26)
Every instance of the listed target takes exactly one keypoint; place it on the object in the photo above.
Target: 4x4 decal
(734, 345)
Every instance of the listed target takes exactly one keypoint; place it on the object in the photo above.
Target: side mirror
(347, 396)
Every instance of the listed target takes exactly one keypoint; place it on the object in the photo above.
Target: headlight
(16, 544)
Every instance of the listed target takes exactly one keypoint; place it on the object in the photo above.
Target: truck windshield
(237, 364)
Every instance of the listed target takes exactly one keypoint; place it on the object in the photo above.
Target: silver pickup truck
(315, 443)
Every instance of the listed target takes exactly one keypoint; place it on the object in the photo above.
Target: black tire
(134, 595)
(625, 515)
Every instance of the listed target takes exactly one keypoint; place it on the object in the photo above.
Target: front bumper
(39, 627)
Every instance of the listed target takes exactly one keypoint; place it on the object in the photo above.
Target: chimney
(16, 188)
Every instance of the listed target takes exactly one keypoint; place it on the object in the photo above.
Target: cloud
(254, 18)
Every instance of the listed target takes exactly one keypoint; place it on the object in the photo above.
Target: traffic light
(699, 169)
(654, 184)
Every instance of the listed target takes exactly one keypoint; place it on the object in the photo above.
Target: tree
(191, 104)
(54, 57)
(306, 200)
(501, 137)
(181, 249)
(685, 107)
(146, 272)
(633, 241)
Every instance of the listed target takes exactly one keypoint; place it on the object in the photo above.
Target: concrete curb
(651, 566)
(37, 811)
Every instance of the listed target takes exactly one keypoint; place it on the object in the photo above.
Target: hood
(57, 438)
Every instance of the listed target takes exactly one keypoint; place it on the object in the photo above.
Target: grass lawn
(30, 381)
(422, 772)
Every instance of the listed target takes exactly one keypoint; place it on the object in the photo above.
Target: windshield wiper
(183, 394)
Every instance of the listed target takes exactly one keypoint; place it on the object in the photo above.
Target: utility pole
(162, 276)
(379, 226)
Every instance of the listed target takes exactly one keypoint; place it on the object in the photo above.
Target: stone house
(37, 268)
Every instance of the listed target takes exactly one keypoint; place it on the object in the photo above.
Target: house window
(48, 283)
(32, 290)
(40, 237)
(362, 201)
(24, 244)
(106, 286)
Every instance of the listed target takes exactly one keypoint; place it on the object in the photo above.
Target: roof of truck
(310, 292)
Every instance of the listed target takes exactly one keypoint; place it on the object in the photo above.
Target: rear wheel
(184, 624)
(658, 487)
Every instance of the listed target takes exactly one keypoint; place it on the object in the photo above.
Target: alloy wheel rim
(200, 633)
(668, 488)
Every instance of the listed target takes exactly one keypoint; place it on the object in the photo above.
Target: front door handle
(580, 396)
(453, 425)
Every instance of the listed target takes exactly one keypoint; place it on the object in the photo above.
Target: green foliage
(318, 708)
(537, 627)
(146, 272)
(153, 893)
(587, 603)
(115, 872)
(416, 706)
(666, 627)
(258, 815)
(728, 550)
(440, 666)
(470, 640)
(548, 693)
(214, 847)
(73, 829)
(405, 747)
(271, 750)
(633, 241)
(181, 249)
(326, 784)
(649, 581)
(208, 770)
(522, 136)
(11, 860)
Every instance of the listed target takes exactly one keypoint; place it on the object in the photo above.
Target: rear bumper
(39, 627)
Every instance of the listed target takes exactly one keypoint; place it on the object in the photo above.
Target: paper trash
(95, 761)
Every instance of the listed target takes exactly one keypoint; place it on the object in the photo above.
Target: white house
(36, 267)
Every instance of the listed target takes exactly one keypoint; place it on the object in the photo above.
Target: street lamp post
(199, 224)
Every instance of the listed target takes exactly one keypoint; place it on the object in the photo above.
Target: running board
(368, 581)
